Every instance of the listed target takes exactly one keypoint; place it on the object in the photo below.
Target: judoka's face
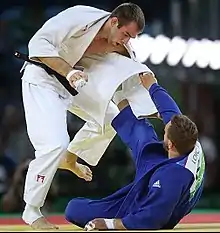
(121, 35)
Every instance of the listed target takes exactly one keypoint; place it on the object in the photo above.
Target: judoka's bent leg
(80, 211)
(45, 113)
(90, 142)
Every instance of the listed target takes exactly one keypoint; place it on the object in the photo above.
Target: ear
(170, 145)
(114, 21)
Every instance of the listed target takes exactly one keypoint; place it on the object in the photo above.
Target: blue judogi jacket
(164, 190)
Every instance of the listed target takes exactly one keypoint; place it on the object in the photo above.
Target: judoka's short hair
(183, 133)
(129, 12)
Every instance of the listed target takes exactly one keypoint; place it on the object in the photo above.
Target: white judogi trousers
(46, 114)
(90, 142)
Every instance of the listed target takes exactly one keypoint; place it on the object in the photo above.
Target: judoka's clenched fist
(77, 78)
(147, 79)
(99, 224)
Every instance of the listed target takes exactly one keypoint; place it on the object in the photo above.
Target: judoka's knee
(60, 145)
(71, 210)
(75, 212)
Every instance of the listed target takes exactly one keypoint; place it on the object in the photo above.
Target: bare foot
(82, 171)
(42, 224)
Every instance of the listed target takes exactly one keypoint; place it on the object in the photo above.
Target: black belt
(50, 71)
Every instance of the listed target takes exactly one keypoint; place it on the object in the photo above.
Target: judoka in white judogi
(46, 101)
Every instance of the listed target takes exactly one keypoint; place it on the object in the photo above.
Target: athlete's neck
(173, 154)
(104, 31)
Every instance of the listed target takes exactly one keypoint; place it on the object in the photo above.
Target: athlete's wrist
(110, 223)
(70, 74)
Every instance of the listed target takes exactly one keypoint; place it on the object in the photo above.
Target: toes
(88, 177)
(88, 174)
(88, 170)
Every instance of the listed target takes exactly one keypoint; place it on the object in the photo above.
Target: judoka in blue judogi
(169, 174)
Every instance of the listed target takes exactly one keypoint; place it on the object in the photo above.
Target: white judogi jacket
(67, 35)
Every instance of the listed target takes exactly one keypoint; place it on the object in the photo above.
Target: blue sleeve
(166, 189)
(164, 103)
(133, 132)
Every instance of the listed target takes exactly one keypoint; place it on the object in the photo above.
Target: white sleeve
(49, 37)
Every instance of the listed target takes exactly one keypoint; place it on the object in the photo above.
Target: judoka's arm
(164, 103)
(46, 42)
(57, 64)
(133, 132)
